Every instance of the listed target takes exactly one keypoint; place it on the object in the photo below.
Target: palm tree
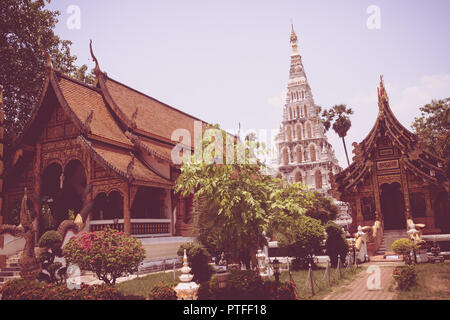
(339, 115)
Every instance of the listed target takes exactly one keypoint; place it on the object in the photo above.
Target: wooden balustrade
(138, 226)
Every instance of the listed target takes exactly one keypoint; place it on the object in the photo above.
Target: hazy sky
(228, 61)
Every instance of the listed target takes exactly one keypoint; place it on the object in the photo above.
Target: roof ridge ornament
(97, 70)
(130, 166)
(46, 54)
(293, 41)
(382, 95)
(134, 117)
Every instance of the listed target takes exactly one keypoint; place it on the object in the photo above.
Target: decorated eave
(414, 158)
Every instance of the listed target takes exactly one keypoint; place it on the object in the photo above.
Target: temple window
(288, 133)
(312, 151)
(299, 155)
(306, 112)
(299, 131)
(298, 177)
(308, 130)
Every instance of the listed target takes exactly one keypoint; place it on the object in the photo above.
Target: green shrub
(336, 244)
(198, 258)
(243, 284)
(110, 254)
(246, 285)
(403, 247)
(405, 276)
(272, 290)
(20, 289)
(163, 292)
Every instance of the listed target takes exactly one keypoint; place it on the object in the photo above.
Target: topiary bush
(404, 247)
(198, 258)
(336, 244)
(405, 276)
(110, 254)
(20, 289)
(54, 271)
(163, 292)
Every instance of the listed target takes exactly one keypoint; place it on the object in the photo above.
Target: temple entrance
(61, 194)
(392, 206)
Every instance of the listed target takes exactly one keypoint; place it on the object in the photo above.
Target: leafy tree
(26, 34)
(339, 116)
(433, 126)
(321, 208)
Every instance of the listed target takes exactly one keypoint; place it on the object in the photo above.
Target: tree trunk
(345, 148)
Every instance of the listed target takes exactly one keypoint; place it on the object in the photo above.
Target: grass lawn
(141, 286)
(321, 288)
(433, 283)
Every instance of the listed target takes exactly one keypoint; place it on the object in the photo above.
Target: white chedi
(186, 289)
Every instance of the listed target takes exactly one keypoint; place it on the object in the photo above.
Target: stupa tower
(304, 153)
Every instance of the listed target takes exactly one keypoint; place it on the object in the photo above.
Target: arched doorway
(62, 193)
(108, 207)
(149, 204)
(392, 206)
(50, 192)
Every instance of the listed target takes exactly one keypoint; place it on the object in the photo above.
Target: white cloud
(278, 101)
(429, 87)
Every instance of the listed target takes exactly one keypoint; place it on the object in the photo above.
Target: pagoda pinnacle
(293, 41)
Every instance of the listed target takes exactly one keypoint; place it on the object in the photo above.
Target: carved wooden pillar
(126, 209)
(376, 194)
(405, 192)
(2, 132)
(359, 216)
(37, 187)
(429, 210)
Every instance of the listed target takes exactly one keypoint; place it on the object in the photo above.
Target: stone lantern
(262, 268)
(186, 289)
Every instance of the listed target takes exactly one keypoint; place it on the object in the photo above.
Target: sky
(227, 62)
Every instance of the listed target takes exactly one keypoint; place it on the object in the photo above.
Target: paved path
(357, 290)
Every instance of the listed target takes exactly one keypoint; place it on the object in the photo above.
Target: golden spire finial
(293, 41)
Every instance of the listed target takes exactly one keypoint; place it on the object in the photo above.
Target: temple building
(304, 153)
(102, 151)
(393, 178)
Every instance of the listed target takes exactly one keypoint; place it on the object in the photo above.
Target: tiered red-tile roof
(118, 124)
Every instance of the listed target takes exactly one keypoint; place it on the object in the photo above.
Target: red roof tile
(82, 100)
